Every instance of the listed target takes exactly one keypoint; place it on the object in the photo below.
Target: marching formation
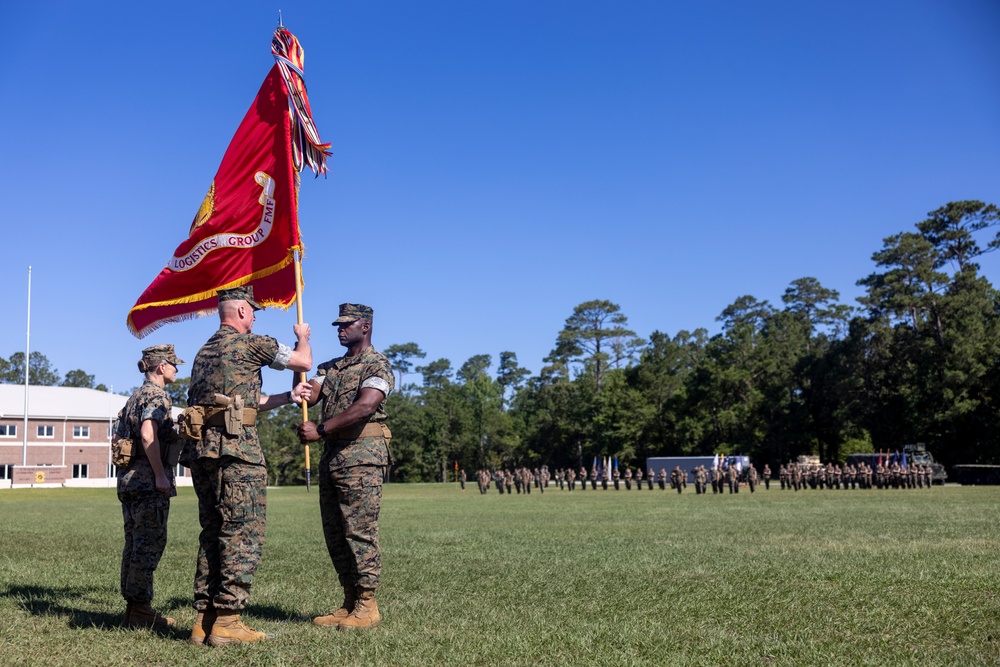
(799, 476)
(721, 479)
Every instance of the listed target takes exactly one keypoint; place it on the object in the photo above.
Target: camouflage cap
(153, 356)
(350, 312)
(242, 293)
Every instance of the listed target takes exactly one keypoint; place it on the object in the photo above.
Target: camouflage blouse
(340, 381)
(229, 363)
(150, 401)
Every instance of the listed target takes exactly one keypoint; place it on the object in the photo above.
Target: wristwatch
(321, 429)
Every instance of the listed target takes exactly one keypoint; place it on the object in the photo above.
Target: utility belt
(368, 430)
(227, 413)
(216, 416)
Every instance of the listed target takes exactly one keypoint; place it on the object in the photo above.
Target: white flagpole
(27, 365)
(111, 391)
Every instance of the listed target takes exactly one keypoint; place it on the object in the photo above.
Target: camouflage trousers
(145, 516)
(232, 503)
(349, 501)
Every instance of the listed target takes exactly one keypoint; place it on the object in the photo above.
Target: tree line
(917, 360)
(42, 373)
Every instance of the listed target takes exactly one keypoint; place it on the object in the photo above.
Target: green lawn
(582, 578)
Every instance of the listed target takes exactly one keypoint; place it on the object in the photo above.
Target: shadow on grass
(69, 602)
(45, 601)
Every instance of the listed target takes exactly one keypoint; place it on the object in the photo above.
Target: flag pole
(302, 376)
(27, 368)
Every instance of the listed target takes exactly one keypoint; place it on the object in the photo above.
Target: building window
(46, 431)
(80, 471)
(6, 471)
(81, 431)
(8, 430)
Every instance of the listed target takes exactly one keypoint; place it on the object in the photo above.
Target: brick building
(68, 436)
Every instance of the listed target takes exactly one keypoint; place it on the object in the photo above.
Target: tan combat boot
(365, 614)
(202, 626)
(141, 615)
(334, 619)
(229, 629)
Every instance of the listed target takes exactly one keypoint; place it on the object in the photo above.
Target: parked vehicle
(977, 474)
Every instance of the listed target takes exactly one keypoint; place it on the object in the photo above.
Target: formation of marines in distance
(791, 476)
(800, 476)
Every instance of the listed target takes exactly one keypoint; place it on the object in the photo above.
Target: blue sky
(494, 163)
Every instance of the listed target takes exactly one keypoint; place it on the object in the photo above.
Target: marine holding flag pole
(247, 229)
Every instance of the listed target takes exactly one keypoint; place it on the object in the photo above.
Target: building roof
(59, 402)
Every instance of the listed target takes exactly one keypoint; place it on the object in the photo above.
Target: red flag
(247, 228)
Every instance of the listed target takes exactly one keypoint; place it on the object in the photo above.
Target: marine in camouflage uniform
(675, 479)
(716, 476)
(228, 471)
(147, 484)
(355, 459)
(700, 480)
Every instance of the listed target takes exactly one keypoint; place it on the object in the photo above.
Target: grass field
(582, 578)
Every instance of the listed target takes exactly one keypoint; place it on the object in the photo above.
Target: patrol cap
(155, 355)
(350, 312)
(242, 293)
